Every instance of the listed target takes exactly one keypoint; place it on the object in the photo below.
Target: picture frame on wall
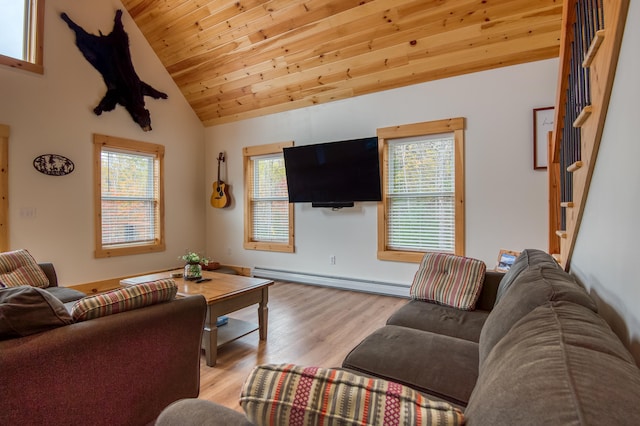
(542, 124)
(506, 259)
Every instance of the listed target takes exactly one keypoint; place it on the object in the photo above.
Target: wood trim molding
(4, 187)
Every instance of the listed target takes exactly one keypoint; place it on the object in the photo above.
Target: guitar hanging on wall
(220, 196)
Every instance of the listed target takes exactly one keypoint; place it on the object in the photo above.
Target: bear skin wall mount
(110, 55)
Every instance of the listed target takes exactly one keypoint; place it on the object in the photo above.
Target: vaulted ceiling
(236, 59)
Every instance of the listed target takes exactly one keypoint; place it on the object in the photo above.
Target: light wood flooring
(308, 325)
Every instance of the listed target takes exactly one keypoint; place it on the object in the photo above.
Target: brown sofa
(541, 355)
(118, 369)
(534, 352)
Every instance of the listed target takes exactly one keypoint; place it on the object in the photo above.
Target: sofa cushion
(449, 280)
(18, 268)
(408, 357)
(534, 287)
(28, 310)
(440, 319)
(559, 365)
(124, 299)
(200, 412)
(527, 258)
(65, 294)
(289, 394)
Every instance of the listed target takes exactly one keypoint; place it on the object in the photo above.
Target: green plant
(194, 258)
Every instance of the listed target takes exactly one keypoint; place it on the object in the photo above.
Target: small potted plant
(193, 265)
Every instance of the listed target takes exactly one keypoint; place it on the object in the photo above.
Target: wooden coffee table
(225, 294)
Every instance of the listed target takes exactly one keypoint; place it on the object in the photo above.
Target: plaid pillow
(449, 280)
(293, 395)
(19, 268)
(124, 299)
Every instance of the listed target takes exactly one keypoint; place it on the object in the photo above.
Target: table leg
(263, 313)
(210, 337)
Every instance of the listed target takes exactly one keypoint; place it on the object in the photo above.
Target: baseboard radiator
(367, 286)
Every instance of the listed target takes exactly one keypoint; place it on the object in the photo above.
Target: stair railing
(589, 47)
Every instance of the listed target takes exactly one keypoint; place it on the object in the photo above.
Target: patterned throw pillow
(20, 268)
(294, 395)
(124, 299)
(449, 280)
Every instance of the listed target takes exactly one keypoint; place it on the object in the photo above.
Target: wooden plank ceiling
(236, 59)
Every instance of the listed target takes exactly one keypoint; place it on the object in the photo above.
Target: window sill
(128, 250)
(22, 65)
(277, 247)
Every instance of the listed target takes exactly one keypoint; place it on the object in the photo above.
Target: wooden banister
(600, 57)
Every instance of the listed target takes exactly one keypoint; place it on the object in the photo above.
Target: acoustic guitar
(220, 196)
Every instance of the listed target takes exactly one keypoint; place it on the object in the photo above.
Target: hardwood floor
(308, 325)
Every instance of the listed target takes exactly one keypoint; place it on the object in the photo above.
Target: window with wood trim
(21, 34)
(129, 196)
(422, 208)
(268, 214)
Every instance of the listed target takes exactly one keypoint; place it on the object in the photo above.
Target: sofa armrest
(50, 272)
(119, 369)
(489, 290)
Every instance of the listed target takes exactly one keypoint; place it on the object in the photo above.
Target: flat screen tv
(333, 174)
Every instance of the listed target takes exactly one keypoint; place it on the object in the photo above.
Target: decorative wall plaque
(53, 165)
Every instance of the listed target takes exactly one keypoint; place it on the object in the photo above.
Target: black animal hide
(110, 55)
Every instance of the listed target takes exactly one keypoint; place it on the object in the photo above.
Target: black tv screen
(333, 173)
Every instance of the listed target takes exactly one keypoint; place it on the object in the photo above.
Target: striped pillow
(19, 268)
(449, 280)
(293, 395)
(124, 299)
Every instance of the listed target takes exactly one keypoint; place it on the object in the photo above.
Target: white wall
(604, 259)
(506, 200)
(52, 113)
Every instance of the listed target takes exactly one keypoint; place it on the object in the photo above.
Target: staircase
(589, 47)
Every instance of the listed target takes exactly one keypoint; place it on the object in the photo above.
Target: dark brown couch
(121, 369)
(535, 352)
(64, 294)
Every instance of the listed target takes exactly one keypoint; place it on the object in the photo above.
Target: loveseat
(533, 351)
(108, 367)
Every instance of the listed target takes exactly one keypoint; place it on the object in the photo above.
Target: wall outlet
(28, 212)
(332, 260)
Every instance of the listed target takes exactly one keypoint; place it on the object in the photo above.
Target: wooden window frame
(100, 142)
(453, 125)
(249, 244)
(35, 41)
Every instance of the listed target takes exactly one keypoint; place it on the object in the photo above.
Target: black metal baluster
(589, 35)
(589, 18)
(600, 13)
(578, 56)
